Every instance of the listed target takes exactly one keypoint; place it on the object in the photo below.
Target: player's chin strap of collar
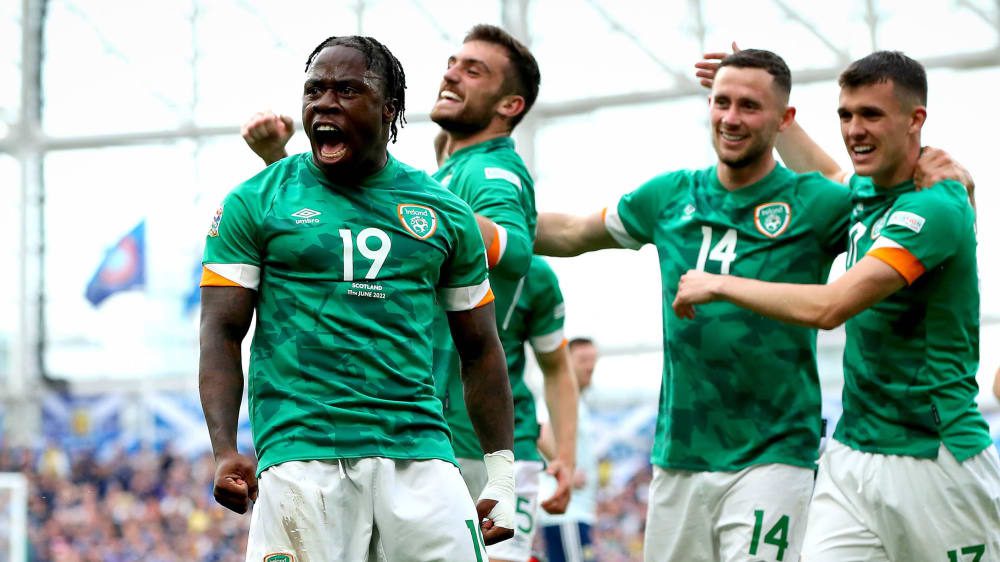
(500, 487)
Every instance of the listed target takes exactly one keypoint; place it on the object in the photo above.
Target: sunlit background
(120, 120)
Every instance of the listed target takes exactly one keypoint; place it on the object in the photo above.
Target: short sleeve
(548, 311)
(633, 220)
(829, 204)
(497, 193)
(926, 223)
(463, 283)
(232, 254)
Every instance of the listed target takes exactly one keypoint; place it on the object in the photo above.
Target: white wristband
(500, 487)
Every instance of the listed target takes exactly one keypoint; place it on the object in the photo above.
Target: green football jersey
(738, 389)
(910, 362)
(491, 177)
(538, 320)
(349, 281)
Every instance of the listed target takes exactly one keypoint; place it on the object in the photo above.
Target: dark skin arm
(226, 313)
(487, 392)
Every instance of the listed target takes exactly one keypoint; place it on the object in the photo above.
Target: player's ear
(388, 110)
(511, 106)
(917, 118)
(787, 118)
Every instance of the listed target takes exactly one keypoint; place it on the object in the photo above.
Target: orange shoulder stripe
(210, 278)
(901, 260)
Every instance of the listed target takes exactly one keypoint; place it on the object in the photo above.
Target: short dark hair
(764, 60)
(523, 76)
(577, 342)
(908, 76)
(378, 59)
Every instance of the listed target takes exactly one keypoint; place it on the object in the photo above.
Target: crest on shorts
(771, 219)
(213, 230)
(279, 557)
(418, 220)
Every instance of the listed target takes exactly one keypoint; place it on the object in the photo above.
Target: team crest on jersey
(771, 219)
(878, 226)
(418, 220)
(213, 230)
(279, 557)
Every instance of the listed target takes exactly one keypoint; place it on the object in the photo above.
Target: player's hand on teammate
(236, 482)
(267, 134)
(563, 473)
(937, 165)
(710, 65)
(695, 287)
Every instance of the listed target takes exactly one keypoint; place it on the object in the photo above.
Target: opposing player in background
(911, 473)
(568, 535)
(345, 254)
(488, 87)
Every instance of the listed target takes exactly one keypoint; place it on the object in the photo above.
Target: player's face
(345, 114)
(471, 88)
(746, 114)
(876, 126)
(584, 358)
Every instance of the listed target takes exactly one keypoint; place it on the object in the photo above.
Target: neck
(738, 178)
(902, 171)
(457, 140)
(359, 174)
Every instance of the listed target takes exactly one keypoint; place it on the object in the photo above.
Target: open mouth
(448, 96)
(330, 142)
(732, 137)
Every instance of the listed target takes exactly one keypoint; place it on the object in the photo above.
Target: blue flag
(123, 267)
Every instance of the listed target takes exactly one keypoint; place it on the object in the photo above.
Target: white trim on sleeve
(616, 228)
(501, 174)
(463, 298)
(548, 342)
(244, 275)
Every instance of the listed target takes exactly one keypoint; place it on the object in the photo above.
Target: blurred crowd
(146, 505)
(158, 507)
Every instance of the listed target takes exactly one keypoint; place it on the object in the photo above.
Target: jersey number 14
(723, 252)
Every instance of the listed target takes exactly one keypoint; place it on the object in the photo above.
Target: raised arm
(491, 410)
(267, 134)
(817, 306)
(561, 398)
(800, 153)
(570, 235)
(226, 313)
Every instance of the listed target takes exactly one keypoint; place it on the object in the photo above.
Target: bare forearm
(220, 384)
(488, 399)
(805, 305)
(564, 235)
(800, 153)
(561, 398)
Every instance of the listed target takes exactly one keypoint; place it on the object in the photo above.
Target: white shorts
(517, 548)
(364, 510)
(754, 514)
(869, 506)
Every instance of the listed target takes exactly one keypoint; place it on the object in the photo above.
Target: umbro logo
(306, 216)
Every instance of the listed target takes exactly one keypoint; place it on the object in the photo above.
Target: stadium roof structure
(112, 113)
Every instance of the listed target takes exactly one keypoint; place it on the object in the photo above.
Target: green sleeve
(463, 282)
(926, 223)
(232, 238)
(829, 204)
(548, 312)
(633, 221)
(497, 194)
